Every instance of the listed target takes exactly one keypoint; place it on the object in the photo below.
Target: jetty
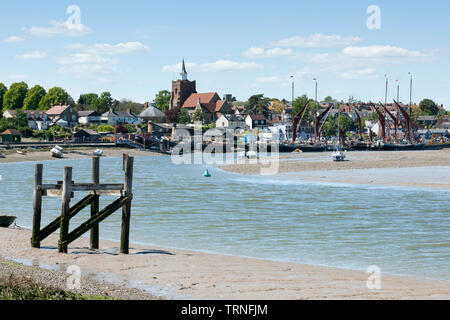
(66, 189)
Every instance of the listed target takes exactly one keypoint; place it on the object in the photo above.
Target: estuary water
(404, 231)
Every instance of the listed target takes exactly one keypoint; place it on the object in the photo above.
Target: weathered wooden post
(66, 195)
(37, 206)
(126, 209)
(95, 203)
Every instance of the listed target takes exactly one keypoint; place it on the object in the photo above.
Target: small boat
(338, 156)
(207, 174)
(98, 152)
(57, 152)
(23, 153)
(7, 221)
(297, 151)
(2, 155)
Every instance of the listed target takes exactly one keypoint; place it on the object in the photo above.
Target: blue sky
(133, 49)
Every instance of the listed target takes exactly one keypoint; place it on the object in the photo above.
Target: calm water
(404, 231)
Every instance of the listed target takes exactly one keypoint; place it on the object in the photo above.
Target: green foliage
(33, 97)
(184, 117)
(55, 96)
(130, 127)
(428, 107)
(258, 104)
(198, 115)
(106, 128)
(88, 98)
(329, 129)
(15, 96)
(20, 288)
(19, 123)
(104, 103)
(162, 100)
(299, 102)
(3, 90)
(328, 99)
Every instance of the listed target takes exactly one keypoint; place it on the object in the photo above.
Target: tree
(33, 97)
(258, 104)
(329, 129)
(184, 116)
(172, 114)
(299, 102)
(162, 100)
(3, 90)
(55, 96)
(88, 98)
(15, 96)
(428, 107)
(198, 115)
(277, 106)
(104, 103)
(328, 99)
(106, 128)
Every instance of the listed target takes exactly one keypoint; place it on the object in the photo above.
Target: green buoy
(207, 174)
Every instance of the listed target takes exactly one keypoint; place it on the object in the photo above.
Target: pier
(66, 189)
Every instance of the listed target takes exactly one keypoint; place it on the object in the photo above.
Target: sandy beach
(183, 274)
(318, 167)
(75, 153)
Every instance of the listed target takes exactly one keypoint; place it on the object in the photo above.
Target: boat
(338, 155)
(23, 153)
(98, 152)
(303, 147)
(297, 151)
(207, 174)
(57, 152)
(2, 155)
(7, 221)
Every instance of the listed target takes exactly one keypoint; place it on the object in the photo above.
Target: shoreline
(184, 274)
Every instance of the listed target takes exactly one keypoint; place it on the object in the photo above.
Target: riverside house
(63, 116)
(89, 117)
(119, 117)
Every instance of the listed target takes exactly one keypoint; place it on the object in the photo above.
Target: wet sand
(184, 274)
(354, 160)
(76, 153)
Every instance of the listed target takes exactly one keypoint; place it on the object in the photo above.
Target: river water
(404, 231)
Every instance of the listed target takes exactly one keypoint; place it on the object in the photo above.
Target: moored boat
(57, 152)
(7, 221)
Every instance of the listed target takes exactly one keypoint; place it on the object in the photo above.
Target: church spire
(183, 71)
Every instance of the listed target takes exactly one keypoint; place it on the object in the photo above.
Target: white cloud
(177, 67)
(228, 65)
(32, 55)
(381, 52)
(317, 40)
(14, 39)
(112, 49)
(59, 28)
(268, 79)
(263, 53)
(359, 74)
(219, 65)
(94, 60)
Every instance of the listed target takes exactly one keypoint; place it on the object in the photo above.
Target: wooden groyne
(66, 189)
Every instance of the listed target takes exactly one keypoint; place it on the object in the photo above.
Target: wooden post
(95, 203)
(66, 195)
(37, 206)
(126, 209)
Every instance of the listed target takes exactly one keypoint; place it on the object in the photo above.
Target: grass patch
(21, 288)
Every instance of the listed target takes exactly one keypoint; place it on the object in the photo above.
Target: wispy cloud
(97, 59)
(266, 53)
(368, 73)
(32, 55)
(317, 40)
(14, 39)
(59, 28)
(219, 65)
(381, 52)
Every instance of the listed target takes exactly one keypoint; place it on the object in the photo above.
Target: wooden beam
(126, 209)
(55, 224)
(102, 215)
(37, 206)
(65, 207)
(94, 237)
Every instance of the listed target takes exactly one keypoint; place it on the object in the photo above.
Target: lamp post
(398, 90)
(315, 111)
(386, 93)
(410, 93)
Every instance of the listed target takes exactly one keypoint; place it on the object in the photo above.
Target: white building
(229, 121)
(119, 117)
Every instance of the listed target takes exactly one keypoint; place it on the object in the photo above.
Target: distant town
(35, 115)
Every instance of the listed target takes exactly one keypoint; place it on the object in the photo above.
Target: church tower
(181, 89)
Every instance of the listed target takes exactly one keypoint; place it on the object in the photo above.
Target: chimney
(150, 128)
